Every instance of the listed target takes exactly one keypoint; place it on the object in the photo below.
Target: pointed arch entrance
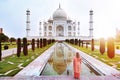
(59, 31)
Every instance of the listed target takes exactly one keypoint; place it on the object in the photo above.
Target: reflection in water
(61, 59)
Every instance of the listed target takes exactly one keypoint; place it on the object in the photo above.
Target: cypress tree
(44, 42)
(70, 41)
(33, 44)
(79, 42)
(38, 43)
(65, 40)
(50, 41)
(25, 50)
(110, 48)
(76, 41)
(82, 43)
(41, 42)
(53, 40)
(0, 51)
(92, 44)
(18, 47)
(87, 44)
(102, 45)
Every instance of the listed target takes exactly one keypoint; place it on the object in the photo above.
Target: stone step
(60, 78)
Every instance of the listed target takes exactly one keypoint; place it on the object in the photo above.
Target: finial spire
(59, 5)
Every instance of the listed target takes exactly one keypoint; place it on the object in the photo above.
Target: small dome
(50, 20)
(69, 20)
(59, 14)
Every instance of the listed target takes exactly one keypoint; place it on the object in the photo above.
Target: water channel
(61, 62)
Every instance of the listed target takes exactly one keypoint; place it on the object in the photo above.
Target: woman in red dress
(77, 66)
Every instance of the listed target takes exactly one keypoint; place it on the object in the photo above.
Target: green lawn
(115, 62)
(15, 64)
(13, 45)
(117, 44)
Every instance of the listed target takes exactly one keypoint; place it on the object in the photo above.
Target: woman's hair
(77, 55)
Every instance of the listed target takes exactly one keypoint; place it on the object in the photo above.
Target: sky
(106, 15)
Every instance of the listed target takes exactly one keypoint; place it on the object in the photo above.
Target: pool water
(61, 62)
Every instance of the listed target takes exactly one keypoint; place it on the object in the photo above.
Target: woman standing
(77, 66)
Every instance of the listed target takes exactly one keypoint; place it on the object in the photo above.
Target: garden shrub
(18, 47)
(110, 48)
(102, 45)
(6, 47)
(25, 50)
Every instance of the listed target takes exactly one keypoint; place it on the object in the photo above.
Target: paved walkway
(12, 51)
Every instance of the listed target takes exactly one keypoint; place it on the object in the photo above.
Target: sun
(104, 33)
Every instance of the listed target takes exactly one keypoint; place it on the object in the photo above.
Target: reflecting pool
(61, 62)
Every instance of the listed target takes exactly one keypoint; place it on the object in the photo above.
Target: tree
(79, 42)
(25, 50)
(82, 43)
(44, 42)
(18, 47)
(72, 41)
(53, 40)
(68, 41)
(3, 37)
(92, 44)
(41, 42)
(49, 41)
(38, 42)
(76, 41)
(12, 39)
(87, 44)
(0, 51)
(110, 48)
(6, 47)
(102, 45)
(33, 44)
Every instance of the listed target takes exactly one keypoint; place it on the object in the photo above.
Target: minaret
(28, 23)
(91, 24)
(78, 28)
(40, 31)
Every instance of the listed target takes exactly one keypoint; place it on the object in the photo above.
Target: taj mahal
(59, 27)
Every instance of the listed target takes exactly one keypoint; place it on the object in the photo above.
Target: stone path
(12, 51)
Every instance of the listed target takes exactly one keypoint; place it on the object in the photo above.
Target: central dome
(59, 14)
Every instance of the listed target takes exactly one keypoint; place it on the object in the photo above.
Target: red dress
(77, 67)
